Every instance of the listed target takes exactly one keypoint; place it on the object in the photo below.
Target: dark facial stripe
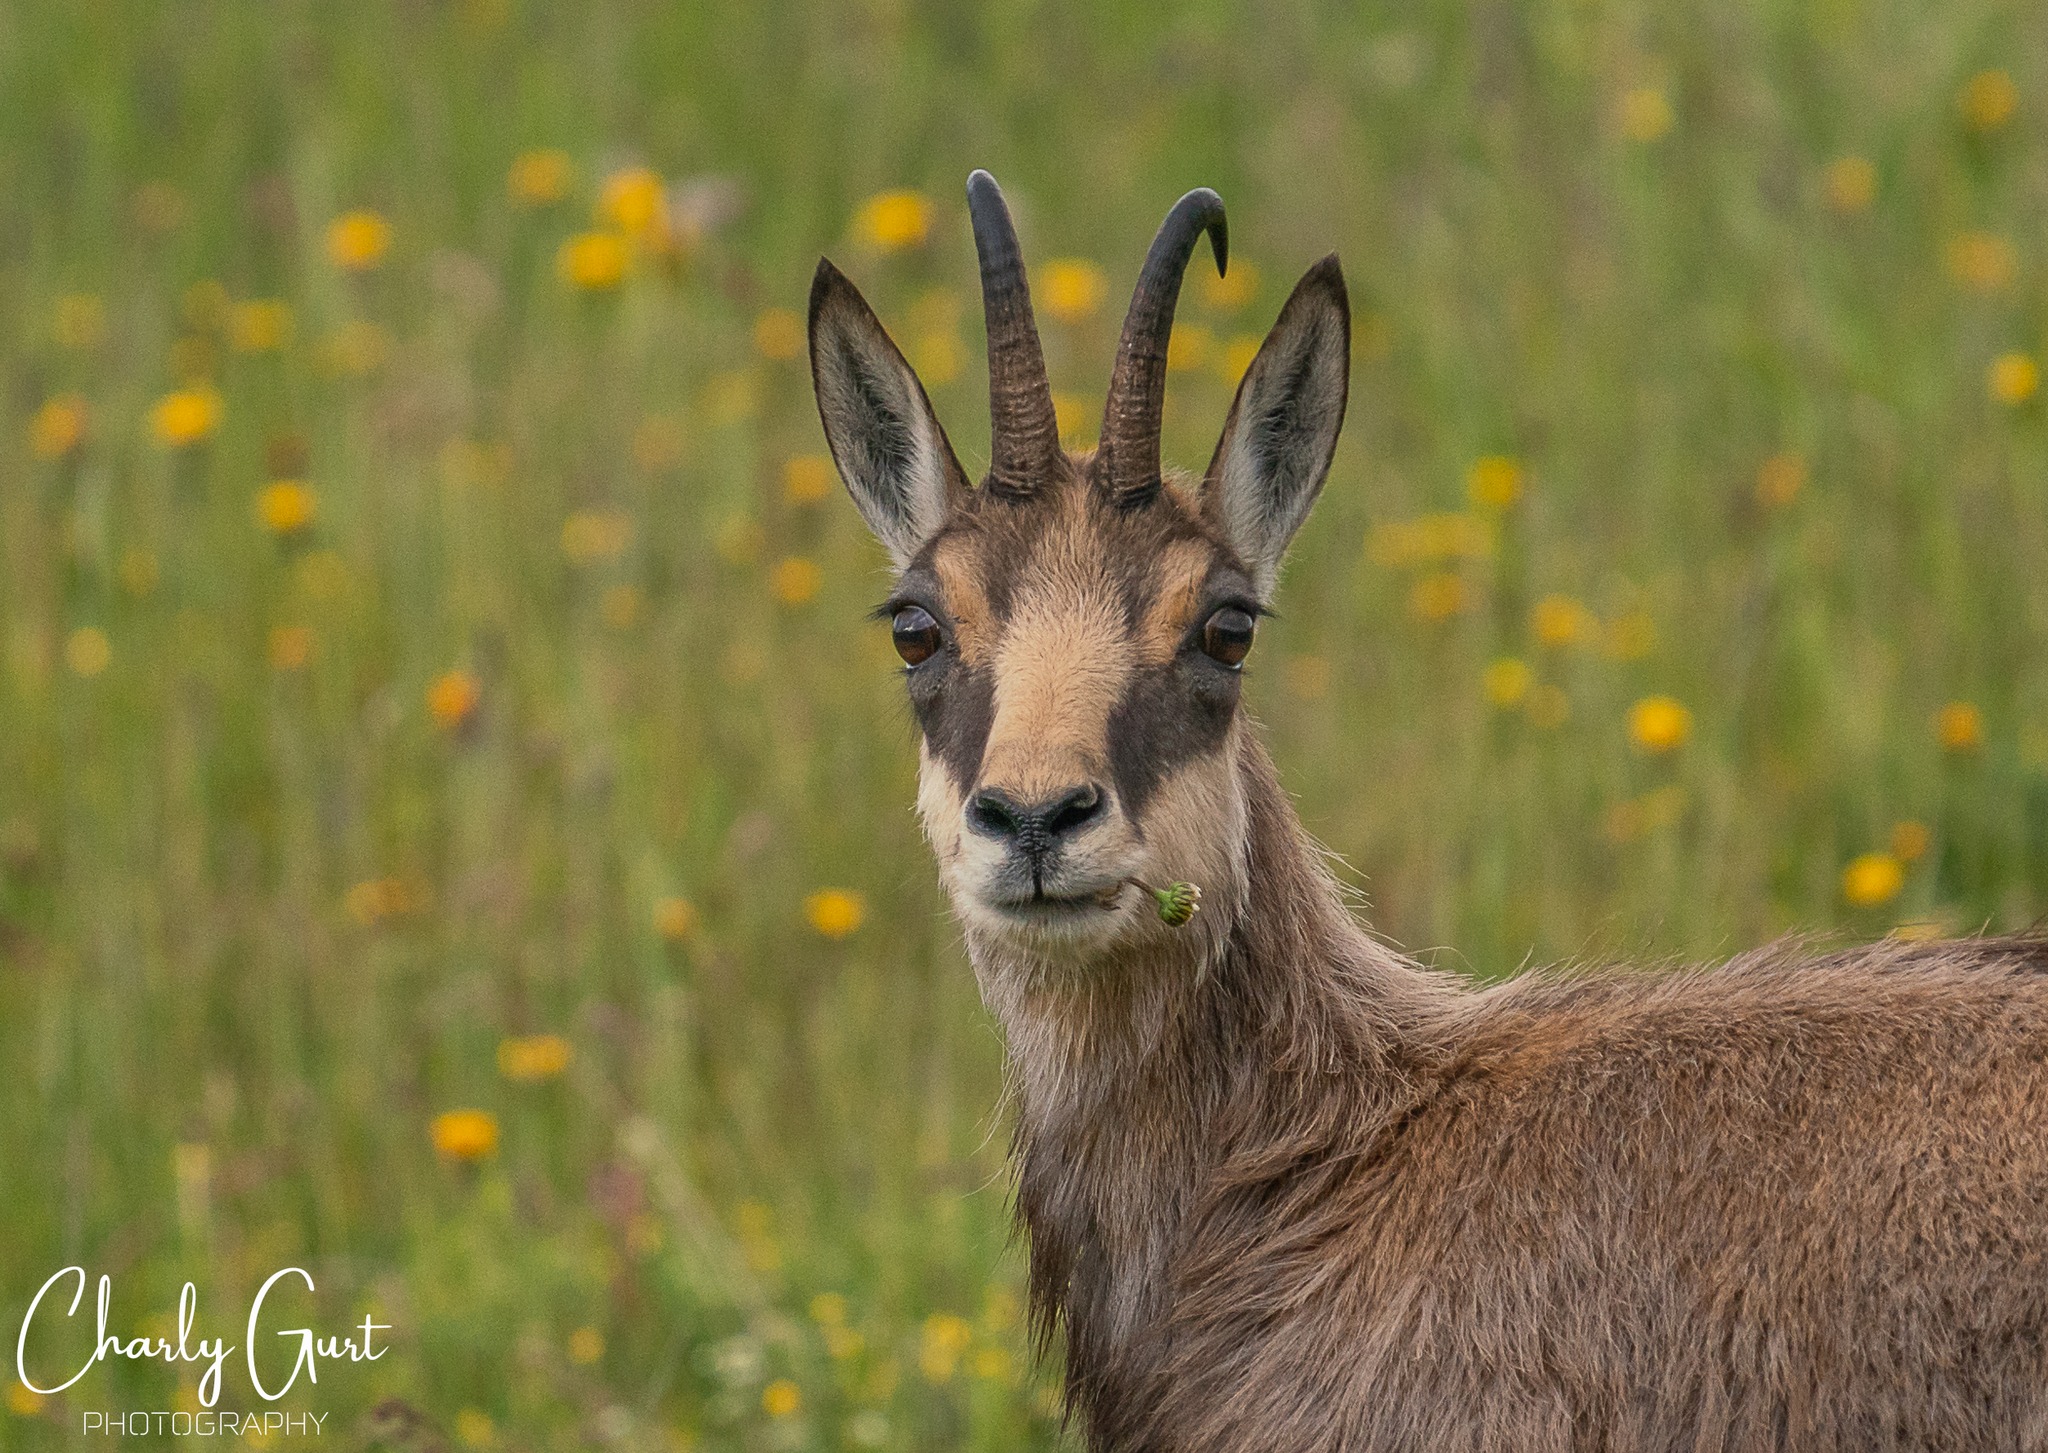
(1169, 715)
(955, 706)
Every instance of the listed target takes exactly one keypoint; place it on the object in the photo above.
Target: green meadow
(455, 815)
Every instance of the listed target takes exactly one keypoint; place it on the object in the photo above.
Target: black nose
(1036, 827)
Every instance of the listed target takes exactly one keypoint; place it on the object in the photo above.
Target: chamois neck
(1193, 1061)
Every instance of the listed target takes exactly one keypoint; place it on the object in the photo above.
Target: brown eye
(916, 634)
(1227, 635)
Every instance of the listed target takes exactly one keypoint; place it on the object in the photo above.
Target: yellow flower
(1227, 292)
(261, 325)
(376, 899)
(1959, 727)
(539, 177)
(357, 241)
(835, 912)
(633, 201)
(779, 334)
(81, 321)
(290, 647)
(893, 221)
(2012, 378)
(186, 417)
(286, 507)
(1494, 481)
(21, 1401)
(794, 580)
(1428, 539)
(674, 918)
(1072, 289)
(1440, 595)
(1645, 114)
(945, 1337)
(1779, 480)
(1981, 261)
(87, 651)
(590, 537)
(592, 261)
(1559, 621)
(1989, 99)
(1237, 356)
(806, 479)
(1075, 413)
(1659, 724)
(474, 1428)
(465, 1134)
(937, 356)
(452, 699)
(1910, 840)
(1507, 681)
(781, 1398)
(1188, 347)
(58, 427)
(531, 1058)
(1873, 879)
(828, 1309)
(586, 1345)
(994, 1364)
(1850, 183)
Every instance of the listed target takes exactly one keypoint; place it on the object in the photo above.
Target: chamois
(1285, 1188)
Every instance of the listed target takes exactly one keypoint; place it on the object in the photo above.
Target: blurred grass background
(455, 822)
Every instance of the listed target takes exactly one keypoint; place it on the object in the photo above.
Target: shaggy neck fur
(1192, 1071)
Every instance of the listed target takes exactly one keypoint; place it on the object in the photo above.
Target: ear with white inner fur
(894, 457)
(1276, 446)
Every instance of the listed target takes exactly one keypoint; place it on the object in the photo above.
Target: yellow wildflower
(1981, 261)
(828, 1309)
(1989, 99)
(590, 537)
(1559, 621)
(260, 325)
(465, 1134)
(58, 427)
(452, 699)
(1645, 114)
(186, 417)
(1959, 727)
(474, 1428)
(586, 1345)
(1494, 481)
(21, 1401)
(1910, 840)
(1659, 724)
(532, 1058)
(593, 261)
(1850, 183)
(358, 240)
(1075, 414)
(937, 356)
(806, 479)
(2012, 378)
(1188, 347)
(290, 647)
(376, 899)
(835, 912)
(794, 580)
(286, 506)
(674, 918)
(1237, 356)
(1227, 292)
(1507, 681)
(895, 220)
(1873, 879)
(539, 177)
(1072, 289)
(779, 334)
(633, 201)
(781, 1398)
(945, 1337)
(88, 652)
(1779, 480)
(994, 1364)
(1440, 595)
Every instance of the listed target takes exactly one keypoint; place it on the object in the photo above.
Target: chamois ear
(894, 457)
(1276, 446)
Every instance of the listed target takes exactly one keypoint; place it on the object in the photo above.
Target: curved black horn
(1024, 434)
(1128, 463)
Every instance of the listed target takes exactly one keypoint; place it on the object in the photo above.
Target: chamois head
(1073, 628)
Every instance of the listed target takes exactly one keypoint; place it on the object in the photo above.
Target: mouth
(1065, 910)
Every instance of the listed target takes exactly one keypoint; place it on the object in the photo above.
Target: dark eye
(1227, 635)
(916, 634)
